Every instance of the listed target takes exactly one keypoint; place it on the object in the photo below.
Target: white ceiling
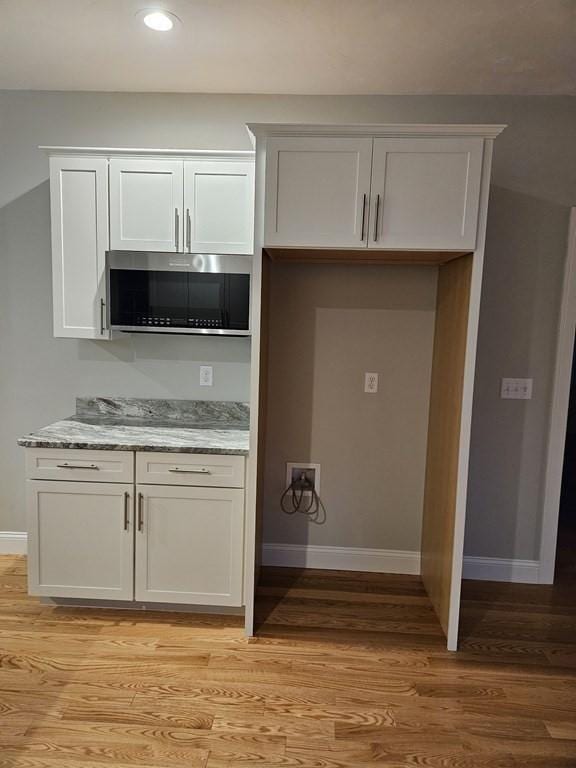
(293, 46)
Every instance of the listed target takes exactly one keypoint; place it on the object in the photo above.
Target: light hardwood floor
(348, 670)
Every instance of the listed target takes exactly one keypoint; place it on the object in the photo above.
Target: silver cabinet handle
(140, 512)
(177, 228)
(102, 322)
(126, 510)
(363, 218)
(190, 471)
(188, 231)
(65, 465)
(377, 217)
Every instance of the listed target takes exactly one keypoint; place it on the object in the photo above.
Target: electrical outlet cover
(206, 376)
(294, 466)
(516, 389)
(371, 383)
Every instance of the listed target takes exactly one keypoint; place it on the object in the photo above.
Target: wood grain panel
(444, 433)
(343, 673)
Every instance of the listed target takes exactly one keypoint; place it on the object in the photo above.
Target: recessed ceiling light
(159, 21)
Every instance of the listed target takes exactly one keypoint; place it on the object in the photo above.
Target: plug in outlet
(295, 470)
(516, 389)
(206, 376)
(371, 383)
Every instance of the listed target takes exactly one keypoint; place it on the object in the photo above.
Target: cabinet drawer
(88, 466)
(190, 469)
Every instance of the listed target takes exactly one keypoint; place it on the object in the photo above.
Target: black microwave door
(238, 302)
(206, 300)
(139, 297)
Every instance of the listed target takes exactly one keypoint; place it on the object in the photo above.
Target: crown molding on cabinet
(175, 154)
(380, 130)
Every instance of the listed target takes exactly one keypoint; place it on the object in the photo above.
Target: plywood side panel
(447, 386)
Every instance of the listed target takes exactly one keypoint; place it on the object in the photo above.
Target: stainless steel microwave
(173, 293)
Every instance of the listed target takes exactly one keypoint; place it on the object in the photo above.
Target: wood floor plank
(168, 715)
(564, 729)
(347, 670)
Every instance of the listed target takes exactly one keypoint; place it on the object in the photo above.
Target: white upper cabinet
(425, 193)
(219, 206)
(317, 191)
(146, 204)
(79, 212)
(418, 192)
(138, 200)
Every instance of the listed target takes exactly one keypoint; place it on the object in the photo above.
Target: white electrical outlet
(206, 376)
(371, 383)
(516, 389)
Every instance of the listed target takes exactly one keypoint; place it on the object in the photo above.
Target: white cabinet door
(80, 539)
(219, 206)
(189, 545)
(79, 212)
(425, 193)
(146, 204)
(317, 192)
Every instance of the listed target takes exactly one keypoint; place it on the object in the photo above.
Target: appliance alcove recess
(408, 194)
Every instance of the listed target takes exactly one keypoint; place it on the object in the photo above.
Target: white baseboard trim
(354, 559)
(341, 558)
(13, 543)
(502, 569)
(392, 561)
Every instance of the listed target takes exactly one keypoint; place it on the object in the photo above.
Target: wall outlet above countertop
(206, 375)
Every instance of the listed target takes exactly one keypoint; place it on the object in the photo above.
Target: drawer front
(87, 466)
(190, 469)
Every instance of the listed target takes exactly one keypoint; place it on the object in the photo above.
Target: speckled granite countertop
(133, 424)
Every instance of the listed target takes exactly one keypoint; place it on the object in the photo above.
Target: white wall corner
(559, 410)
(13, 543)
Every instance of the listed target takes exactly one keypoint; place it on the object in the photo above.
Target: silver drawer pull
(77, 466)
(202, 471)
(126, 510)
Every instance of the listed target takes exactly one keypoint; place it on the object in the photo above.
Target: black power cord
(312, 508)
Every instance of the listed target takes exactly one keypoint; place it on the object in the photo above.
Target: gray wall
(534, 182)
(329, 325)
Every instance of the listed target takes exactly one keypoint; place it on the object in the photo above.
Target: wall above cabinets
(138, 200)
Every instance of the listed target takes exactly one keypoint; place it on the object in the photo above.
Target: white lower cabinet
(162, 543)
(80, 539)
(189, 545)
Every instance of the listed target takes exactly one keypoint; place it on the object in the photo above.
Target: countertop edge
(25, 442)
